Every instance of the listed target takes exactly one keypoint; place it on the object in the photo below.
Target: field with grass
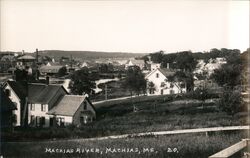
(153, 113)
(172, 146)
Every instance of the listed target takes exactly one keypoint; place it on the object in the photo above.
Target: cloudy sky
(142, 26)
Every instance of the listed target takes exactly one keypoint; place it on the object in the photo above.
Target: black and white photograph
(124, 79)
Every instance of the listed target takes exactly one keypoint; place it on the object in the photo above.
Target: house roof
(41, 93)
(18, 88)
(68, 105)
(37, 93)
(51, 69)
(135, 62)
(166, 72)
(26, 57)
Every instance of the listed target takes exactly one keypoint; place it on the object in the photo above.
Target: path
(183, 131)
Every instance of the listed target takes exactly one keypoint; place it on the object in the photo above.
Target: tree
(230, 74)
(231, 101)
(135, 81)
(81, 82)
(186, 64)
(157, 57)
(62, 71)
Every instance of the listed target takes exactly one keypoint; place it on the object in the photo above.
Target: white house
(72, 109)
(32, 100)
(158, 83)
(17, 98)
(133, 62)
(42, 105)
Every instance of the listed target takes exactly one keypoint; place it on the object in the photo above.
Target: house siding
(77, 115)
(14, 98)
(37, 112)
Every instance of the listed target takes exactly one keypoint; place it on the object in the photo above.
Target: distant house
(7, 109)
(133, 62)
(50, 70)
(25, 60)
(159, 84)
(72, 109)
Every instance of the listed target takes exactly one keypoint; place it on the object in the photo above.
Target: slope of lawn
(155, 113)
(172, 146)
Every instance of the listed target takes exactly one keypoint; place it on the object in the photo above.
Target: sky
(142, 26)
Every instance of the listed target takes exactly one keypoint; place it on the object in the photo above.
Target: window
(157, 75)
(15, 104)
(14, 118)
(85, 105)
(32, 120)
(163, 84)
(43, 107)
(172, 91)
(7, 92)
(81, 120)
(42, 121)
(32, 107)
(60, 121)
(37, 121)
(171, 85)
(183, 85)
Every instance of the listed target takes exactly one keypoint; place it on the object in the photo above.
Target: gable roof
(166, 72)
(18, 88)
(68, 105)
(37, 92)
(40, 93)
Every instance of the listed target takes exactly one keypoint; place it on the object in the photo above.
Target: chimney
(36, 55)
(167, 65)
(47, 80)
(22, 52)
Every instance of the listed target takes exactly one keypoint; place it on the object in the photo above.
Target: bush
(231, 101)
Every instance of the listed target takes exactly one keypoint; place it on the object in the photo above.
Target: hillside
(88, 54)
(84, 54)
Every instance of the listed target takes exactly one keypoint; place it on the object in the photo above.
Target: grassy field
(115, 90)
(172, 146)
(154, 113)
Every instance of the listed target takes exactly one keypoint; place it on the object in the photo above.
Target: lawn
(154, 113)
(172, 146)
(115, 89)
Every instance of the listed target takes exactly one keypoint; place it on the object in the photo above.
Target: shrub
(231, 101)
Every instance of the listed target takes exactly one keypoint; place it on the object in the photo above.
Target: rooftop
(68, 105)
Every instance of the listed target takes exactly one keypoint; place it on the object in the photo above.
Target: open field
(172, 146)
(154, 113)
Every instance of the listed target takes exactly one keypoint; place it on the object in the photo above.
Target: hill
(83, 54)
(89, 54)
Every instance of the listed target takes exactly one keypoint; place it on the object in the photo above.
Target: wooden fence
(233, 149)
